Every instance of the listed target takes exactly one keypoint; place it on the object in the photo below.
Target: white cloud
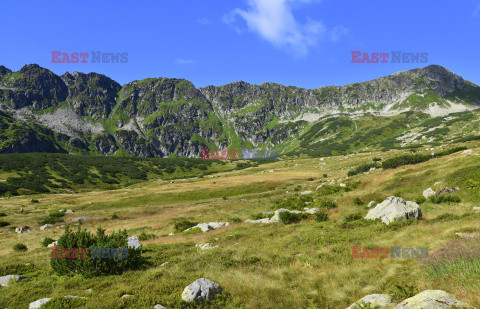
(184, 61)
(273, 20)
(204, 21)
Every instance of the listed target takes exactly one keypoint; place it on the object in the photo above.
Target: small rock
(476, 208)
(69, 211)
(372, 203)
(374, 301)
(437, 183)
(61, 210)
(312, 210)
(133, 242)
(463, 235)
(343, 185)
(5, 280)
(158, 306)
(126, 295)
(428, 192)
(46, 226)
(53, 244)
(20, 230)
(431, 299)
(81, 219)
(71, 296)
(61, 226)
(306, 192)
(38, 303)
(200, 290)
(171, 234)
(271, 171)
(205, 246)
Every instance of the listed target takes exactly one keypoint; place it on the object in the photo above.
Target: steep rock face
(162, 116)
(32, 86)
(91, 94)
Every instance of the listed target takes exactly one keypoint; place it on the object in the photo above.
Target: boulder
(205, 227)
(205, 246)
(394, 208)
(38, 303)
(264, 220)
(133, 242)
(69, 211)
(81, 219)
(374, 300)
(431, 299)
(126, 296)
(46, 226)
(5, 280)
(428, 192)
(306, 192)
(200, 290)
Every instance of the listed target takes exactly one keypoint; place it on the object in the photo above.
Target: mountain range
(159, 117)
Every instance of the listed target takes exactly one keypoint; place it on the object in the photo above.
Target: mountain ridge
(91, 113)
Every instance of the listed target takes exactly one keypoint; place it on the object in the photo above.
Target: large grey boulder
(5, 280)
(200, 290)
(53, 244)
(374, 300)
(394, 208)
(38, 303)
(81, 219)
(133, 242)
(432, 299)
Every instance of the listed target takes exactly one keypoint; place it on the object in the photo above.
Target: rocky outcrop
(394, 209)
(373, 301)
(5, 280)
(432, 299)
(201, 290)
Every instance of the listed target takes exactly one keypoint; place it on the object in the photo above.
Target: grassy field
(303, 265)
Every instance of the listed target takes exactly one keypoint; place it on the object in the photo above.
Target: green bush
(287, 217)
(20, 247)
(34, 201)
(183, 224)
(358, 201)
(325, 175)
(259, 216)
(445, 217)
(324, 204)
(353, 217)
(3, 223)
(444, 199)
(53, 218)
(321, 216)
(293, 203)
(2, 214)
(93, 266)
(233, 219)
(363, 168)
(144, 236)
(376, 159)
(420, 200)
(46, 241)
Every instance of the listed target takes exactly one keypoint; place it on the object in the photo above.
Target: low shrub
(183, 224)
(293, 203)
(34, 201)
(91, 266)
(4, 223)
(358, 201)
(444, 199)
(420, 200)
(353, 217)
(53, 218)
(20, 247)
(321, 216)
(325, 204)
(363, 168)
(46, 241)
(287, 217)
(145, 236)
(2, 214)
(233, 219)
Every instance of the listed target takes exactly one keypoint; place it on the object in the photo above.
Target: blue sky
(305, 43)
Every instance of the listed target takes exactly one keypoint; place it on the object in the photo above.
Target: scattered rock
(374, 300)
(372, 203)
(311, 211)
(463, 235)
(20, 230)
(468, 151)
(205, 246)
(81, 219)
(394, 208)
(61, 210)
(38, 303)
(53, 244)
(476, 208)
(205, 227)
(171, 234)
(71, 296)
(200, 290)
(343, 185)
(271, 171)
(89, 203)
(431, 299)
(437, 183)
(158, 306)
(448, 190)
(126, 295)
(428, 192)
(264, 220)
(69, 211)
(61, 226)
(163, 264)
(5, 280)
(133, 242)
(46, 226)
